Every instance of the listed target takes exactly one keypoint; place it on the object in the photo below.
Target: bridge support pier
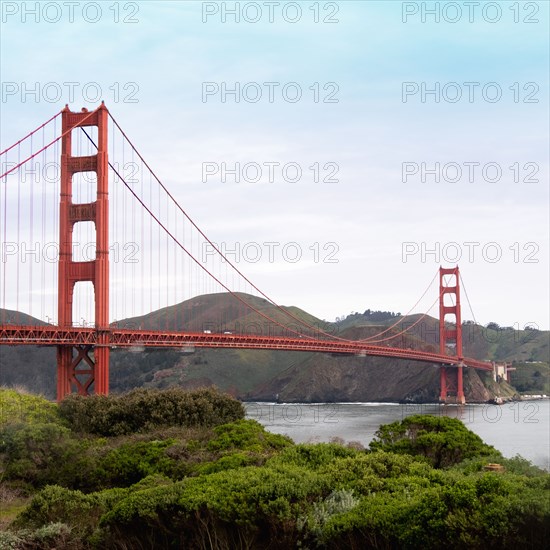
(451, 385)
(83, 366)
(450, 337)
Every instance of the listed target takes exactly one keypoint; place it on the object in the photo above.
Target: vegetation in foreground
(175, 469)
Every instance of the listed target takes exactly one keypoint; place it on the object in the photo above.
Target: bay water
(520, 427)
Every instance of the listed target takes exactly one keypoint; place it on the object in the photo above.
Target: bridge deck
(119, 338)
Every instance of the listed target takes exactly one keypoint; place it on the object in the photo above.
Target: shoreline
(525, 398)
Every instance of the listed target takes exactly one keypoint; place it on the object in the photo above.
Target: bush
(76, 511)
(144, 409)
(247, 505)
(337, 502)
(40, 453)
(131, 462)
(49, 454)
(246, 435)
(487, 510)
(370, 473)
(9, 541)
(313, 495)
(229, 462)
(235, 485)
(443, 441)
(57, 504)
(18, 408)
(51, 536)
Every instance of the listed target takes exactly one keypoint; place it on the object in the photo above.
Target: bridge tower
(78, 365)
(451, 381)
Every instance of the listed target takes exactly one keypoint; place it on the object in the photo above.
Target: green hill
(292, 376)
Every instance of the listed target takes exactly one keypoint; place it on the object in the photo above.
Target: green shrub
(10, 541)
(17, 408)
(486, 511)
(73, 510)
(376, 500)
(229, 462)
(40, 453)
(144, 409)
(45, 454)
(442, 440)
(57, 504)
(337, 502)
(251, 503)
(131, 462)
(522, 466)
(50, 536)
(220, 484)
(247, 435)
(152, 480)
(369, 473)
(311, 456)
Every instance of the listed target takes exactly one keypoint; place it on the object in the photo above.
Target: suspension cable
(468, 299)
(47, 146)
(173, 237)
(409, 328)
(30, 134)
(403, 316)
(216, 249)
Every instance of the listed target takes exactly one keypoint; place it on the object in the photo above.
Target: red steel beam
(69, 366)
(120, 338)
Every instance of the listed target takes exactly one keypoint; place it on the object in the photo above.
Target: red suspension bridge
(84, 220)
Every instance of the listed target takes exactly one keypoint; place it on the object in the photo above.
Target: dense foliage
(442, 440)
(144, 409)
(176, 484)
(532, 377)
(24, 407)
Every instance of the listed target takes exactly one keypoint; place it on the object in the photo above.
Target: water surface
(513, 428)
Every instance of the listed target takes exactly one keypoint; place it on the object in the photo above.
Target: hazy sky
(430, 129)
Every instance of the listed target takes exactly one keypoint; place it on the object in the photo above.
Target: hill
(291, 376)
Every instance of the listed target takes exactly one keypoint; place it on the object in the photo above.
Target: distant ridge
(293, 376)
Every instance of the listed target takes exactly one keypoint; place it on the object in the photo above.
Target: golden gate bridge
(81, 192)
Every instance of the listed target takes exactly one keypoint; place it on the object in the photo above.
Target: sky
(421, 131)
